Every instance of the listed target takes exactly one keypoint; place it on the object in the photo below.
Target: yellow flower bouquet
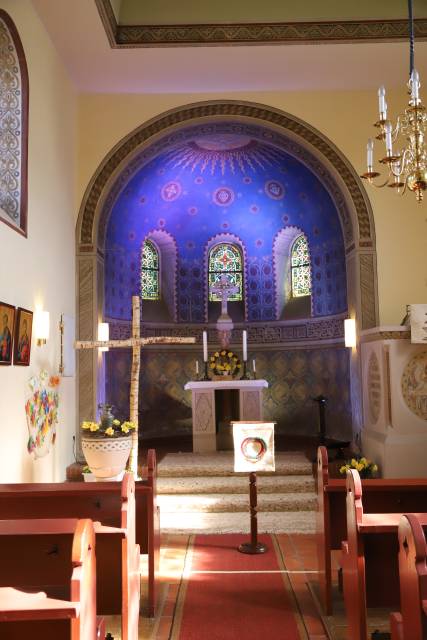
(365, 467)
(107, 427)
(224, 363)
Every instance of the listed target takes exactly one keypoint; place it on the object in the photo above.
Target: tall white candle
(245, 345)
(388, 141)
(415, 86)
(205, 346)
(197, 367)
(253, 366)
(370, 153)
(381, 103)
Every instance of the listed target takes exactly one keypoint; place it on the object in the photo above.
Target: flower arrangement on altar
(224, 363)
(41, 410)
(108, 426)
(365, 467)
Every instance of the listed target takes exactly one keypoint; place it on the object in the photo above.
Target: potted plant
(106, 445)
(365, 467)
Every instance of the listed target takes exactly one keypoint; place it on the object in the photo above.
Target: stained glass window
(150, 281)
(226, 259)
(300, 268)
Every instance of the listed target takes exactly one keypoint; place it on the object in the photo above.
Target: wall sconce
(41, 326)
(350, 332)
(103, 334)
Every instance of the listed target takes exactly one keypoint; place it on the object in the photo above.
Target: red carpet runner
(227, 595)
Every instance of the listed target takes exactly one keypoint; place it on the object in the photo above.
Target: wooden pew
(410, 623)
(369, 559)
(57, 556)
(117, 557)
(379, 496)
(148, 524)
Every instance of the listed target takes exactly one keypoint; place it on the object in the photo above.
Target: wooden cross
(224, 289)
(135, 342)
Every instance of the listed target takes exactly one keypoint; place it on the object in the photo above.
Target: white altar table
(203, 407)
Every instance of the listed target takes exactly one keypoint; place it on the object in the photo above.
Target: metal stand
(245, 375)
(205, 376)
(321, 400)
(253, 546)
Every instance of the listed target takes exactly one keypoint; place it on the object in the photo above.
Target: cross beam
(135, 343)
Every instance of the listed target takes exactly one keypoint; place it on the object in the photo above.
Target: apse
(215, 183)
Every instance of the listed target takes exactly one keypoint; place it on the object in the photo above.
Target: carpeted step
(221, 463)
(215, 502)
(277, 522)
(235, 484)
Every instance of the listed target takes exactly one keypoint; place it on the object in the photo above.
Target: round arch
(302, 140)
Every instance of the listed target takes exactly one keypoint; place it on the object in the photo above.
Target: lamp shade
(350, 332)
(41, 326)
(103, 334)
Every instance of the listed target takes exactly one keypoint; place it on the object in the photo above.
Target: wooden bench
(57, 556)
(410, 623)
(112, 504)
(369, 559)
(379, 496)
(148, 524)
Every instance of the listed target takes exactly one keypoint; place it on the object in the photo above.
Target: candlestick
(205, 346)
(197, 367)
(253, 366)
(245, 345)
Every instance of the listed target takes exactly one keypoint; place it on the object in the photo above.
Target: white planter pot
(107, 458)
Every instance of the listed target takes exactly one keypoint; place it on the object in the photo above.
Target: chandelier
(407, 167)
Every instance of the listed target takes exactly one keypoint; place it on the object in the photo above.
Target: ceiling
(79, 35)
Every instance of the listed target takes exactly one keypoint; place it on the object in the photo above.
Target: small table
(203, 407)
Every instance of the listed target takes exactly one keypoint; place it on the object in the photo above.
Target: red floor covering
(246, 602)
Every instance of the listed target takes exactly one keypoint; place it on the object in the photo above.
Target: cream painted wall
(345, 118)
(40, 269)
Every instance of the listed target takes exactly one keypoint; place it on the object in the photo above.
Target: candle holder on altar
(245, 375)
(205, 375)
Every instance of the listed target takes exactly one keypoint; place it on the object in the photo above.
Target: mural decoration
(224, 180)
(414, 385)
(41, 410)
(374, 387)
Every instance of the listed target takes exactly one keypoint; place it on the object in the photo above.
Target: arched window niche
(225, 256)
(292, 274)
(158, 277)
(13, 127)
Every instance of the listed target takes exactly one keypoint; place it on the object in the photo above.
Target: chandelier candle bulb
(381, 103)
(388, 141)
(415, 86)
(245, 345)
(205, 346)
(370, 154)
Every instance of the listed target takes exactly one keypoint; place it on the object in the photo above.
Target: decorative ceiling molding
(176, 35)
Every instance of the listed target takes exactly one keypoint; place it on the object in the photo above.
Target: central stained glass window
(300, 268)
(150, 279)
(226, 259)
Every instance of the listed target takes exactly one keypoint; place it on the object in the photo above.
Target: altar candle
(205, 346)
(245, 345)
(253, 366)
(197, 367)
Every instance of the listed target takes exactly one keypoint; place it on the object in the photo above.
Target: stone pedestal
(394, 374)
(203, 407)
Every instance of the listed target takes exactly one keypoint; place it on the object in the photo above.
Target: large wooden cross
(135, 342)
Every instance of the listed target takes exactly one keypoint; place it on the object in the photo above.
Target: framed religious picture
(23, 329)
(7, 321)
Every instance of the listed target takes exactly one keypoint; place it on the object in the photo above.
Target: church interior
(213, 240)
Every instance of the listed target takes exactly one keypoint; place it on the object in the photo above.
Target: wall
(344, 117)
(40, 269)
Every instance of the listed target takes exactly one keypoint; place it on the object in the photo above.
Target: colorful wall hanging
(41, 410)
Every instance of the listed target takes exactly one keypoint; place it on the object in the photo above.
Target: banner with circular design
(253, 446)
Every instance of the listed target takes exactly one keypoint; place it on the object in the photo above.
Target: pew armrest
(396, 626)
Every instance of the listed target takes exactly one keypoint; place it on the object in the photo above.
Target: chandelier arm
(379, 186)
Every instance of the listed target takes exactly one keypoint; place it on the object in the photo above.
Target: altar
(244, 403)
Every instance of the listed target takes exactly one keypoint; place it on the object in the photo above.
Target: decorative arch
(280, 129)
(13, 126)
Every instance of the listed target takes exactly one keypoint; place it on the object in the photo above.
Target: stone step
(235, 484)
(221, 464)
(237, 502)
(207, 523)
